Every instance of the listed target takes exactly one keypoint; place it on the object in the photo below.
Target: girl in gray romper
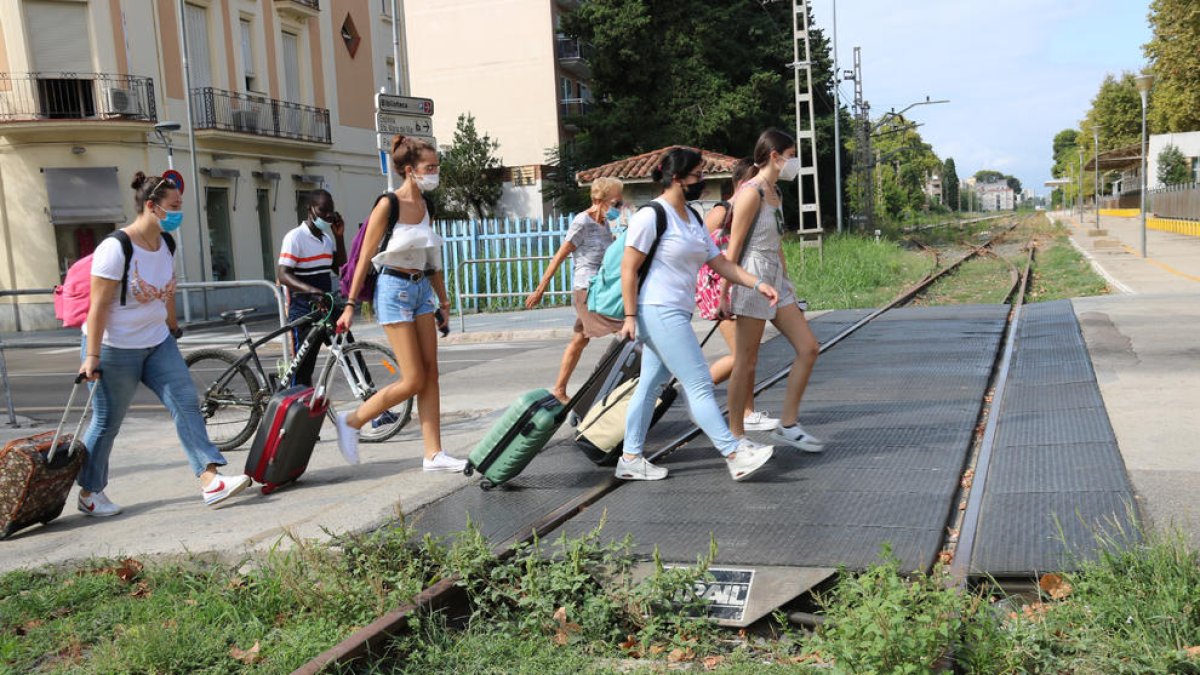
(756, 240)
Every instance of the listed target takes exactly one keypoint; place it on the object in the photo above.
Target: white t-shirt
(142, 321)
(685, 247)
(307, 254)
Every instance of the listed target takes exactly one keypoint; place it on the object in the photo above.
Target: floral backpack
(708, 282)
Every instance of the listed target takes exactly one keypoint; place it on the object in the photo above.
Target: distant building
(640, 188)
(996, 196)
(933, 189)
(1188, 144)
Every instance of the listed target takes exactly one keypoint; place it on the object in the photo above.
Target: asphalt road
(41, 377)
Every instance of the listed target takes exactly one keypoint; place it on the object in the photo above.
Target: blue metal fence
(500, 261)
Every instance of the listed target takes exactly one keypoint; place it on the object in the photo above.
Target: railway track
(961, 524)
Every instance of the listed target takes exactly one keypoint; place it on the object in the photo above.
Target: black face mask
(692, 192)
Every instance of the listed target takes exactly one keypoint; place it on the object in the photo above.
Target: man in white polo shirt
(310, 255)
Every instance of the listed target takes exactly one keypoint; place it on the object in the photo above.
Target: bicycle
(235, 389)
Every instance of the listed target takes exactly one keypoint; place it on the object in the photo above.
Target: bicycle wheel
(363, 368)
(232, 410)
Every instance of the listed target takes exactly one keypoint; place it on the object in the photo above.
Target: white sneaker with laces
(444, 462)
(797, 437)
(221, 488)
(347, 437)
(759, 421)
(748, 458)
(638, 468)
(97, 505)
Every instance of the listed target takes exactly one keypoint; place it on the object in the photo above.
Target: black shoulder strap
(393, 217)
(429, 209)
(660, 227)
(127, 248)
(167, 237)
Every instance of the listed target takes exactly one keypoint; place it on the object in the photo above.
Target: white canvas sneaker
(97, 505)
(748, 458)
(221, 488)
(797, 437)
(347, 437)
(638, 469)
(759, 421)
(444, 462)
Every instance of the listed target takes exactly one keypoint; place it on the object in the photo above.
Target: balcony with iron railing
(298, 9)
(259, 115)
(570, 107)
(574, 55)
(40, 97)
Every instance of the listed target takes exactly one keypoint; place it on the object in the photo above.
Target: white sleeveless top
(414, 247)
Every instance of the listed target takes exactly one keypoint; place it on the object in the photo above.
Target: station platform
(898, 403)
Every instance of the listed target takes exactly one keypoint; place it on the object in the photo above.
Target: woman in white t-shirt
(587, 239)
(660, 313)
(130, 335)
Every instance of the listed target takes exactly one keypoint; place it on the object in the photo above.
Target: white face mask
(427, 181)
(791, 168)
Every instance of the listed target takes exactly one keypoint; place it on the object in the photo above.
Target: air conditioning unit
(245, 120)
(122, 102)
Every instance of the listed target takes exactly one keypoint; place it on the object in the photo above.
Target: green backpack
(604, 290)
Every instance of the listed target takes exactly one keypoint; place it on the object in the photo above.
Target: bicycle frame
(312, 340)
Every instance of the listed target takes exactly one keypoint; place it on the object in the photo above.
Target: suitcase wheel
(268, 488)
(469, 470)
(7, 532)
(486, 485)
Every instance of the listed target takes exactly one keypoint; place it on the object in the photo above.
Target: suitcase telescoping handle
(79, 379)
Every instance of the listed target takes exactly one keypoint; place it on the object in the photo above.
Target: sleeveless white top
(414, 247)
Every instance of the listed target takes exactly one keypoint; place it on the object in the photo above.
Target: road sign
(175, 177)
(387, 123)
(403, 105)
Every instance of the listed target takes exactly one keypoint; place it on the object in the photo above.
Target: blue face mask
(613, 213)
(171, 221)
(323, 225)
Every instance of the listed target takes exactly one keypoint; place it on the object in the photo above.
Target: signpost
(407, 115)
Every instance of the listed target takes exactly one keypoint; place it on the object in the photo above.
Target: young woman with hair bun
(133, 342)
(408, 294)
(660, 314)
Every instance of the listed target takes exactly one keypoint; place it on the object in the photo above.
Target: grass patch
(856, 271)
(980, 280)
(1061, 271)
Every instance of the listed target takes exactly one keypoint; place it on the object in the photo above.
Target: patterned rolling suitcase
(37, 472)
(286, 437)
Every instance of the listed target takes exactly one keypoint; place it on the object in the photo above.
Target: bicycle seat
(237, 315)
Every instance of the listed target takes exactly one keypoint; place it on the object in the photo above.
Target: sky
(1015, 72)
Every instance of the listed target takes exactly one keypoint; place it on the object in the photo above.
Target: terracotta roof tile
(639, 167)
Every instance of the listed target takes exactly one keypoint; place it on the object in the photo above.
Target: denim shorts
(398, 300)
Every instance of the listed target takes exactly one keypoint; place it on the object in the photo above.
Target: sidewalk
(1142, 341)
(164, 513)
(1172, 265)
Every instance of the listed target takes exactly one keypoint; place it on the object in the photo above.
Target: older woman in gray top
(587, 239)
(756, 240)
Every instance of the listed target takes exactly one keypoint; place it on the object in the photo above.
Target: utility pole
(201, 223)
(1080, 200)
(837, 124)
(1096, 173)
(806, 128)
(862, 152)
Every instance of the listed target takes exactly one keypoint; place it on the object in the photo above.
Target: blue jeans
(671, 348)
(161, 368)
(399, 300)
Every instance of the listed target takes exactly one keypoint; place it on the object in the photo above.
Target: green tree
(711, 75)
(1066, 144)
(1117, 109)
(1014, 183)
(470, 170)
(989, 176)
(950, 184)
(1174, 54)
(1173, 167)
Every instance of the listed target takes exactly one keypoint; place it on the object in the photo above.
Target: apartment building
(995, 196)
(506, 63)
(283, 103)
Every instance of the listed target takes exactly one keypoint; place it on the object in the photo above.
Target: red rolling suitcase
(286, 437)
(38, 472)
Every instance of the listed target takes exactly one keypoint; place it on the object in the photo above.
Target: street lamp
(1144, 82)
(162, 130)
(1096, 172)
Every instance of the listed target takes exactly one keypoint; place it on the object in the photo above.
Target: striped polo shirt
(310, 255)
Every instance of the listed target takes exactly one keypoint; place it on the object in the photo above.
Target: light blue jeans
(164, 371)
(671, 348)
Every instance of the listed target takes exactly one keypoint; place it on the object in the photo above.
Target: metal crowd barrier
(459, 294)
(276, 291)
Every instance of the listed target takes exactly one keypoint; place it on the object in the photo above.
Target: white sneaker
(347, 439)
(638, 469)
(97, 505)
(221, 488)
(444, 462)
(759, 421)
(797, 437)
(748, 458)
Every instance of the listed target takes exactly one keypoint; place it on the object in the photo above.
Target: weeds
(855, 271)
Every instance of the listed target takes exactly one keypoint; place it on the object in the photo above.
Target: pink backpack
(74, 297)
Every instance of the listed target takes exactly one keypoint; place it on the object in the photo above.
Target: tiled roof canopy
(637, 169)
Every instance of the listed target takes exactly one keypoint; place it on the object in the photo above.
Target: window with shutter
(291, 67)
(200, 63)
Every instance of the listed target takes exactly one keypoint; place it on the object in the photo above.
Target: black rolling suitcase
(286, 437)
(38, 472)
(623, 359)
